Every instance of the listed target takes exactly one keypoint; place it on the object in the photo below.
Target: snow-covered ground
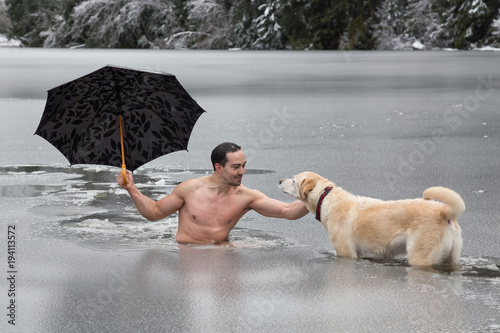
(487, 48)
(7, 42)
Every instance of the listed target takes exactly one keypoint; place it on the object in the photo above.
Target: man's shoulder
(251, 192)
(192, 184)
(197, 180)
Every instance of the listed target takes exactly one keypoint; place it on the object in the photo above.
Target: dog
(360, 227)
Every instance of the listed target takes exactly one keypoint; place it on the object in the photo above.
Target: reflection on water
(485, 267)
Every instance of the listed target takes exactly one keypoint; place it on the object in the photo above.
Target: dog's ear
(306, 187)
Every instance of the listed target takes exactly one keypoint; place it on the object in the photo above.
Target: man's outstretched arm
(147, 207)
(274, 208)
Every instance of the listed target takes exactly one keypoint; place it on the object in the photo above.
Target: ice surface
(382, 124)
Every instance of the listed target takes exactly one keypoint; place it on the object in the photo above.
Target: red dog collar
(320, 201)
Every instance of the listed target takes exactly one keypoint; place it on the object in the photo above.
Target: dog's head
(306, 186)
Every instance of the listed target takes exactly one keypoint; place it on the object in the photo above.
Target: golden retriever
(360, 227)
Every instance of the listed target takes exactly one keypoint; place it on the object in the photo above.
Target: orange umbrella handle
(124, 174)
(124, 167)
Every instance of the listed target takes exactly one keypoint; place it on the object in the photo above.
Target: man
(210, 206)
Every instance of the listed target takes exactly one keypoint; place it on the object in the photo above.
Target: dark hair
(219, 154)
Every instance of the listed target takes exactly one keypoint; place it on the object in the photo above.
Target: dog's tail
(450, 198)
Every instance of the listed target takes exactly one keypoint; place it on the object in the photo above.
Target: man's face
(234, 169)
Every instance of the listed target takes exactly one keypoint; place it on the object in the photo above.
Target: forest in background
(253, 24)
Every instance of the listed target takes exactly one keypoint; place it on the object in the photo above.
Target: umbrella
(119, 116)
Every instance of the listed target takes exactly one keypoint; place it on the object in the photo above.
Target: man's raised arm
(150, 209)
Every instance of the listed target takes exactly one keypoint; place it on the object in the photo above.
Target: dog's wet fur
(425, 229)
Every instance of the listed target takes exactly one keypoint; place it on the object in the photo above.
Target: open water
(380, 124)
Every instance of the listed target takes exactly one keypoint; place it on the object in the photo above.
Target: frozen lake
(379, 124)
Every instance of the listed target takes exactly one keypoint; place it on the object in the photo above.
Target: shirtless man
(209, 207)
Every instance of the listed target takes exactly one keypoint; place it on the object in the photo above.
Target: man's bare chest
(216, 211)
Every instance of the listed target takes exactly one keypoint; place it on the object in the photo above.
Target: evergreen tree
(267, 27)
(359, 31)
(253, 24)
(422, 23)
(468, 21)
(341, 24)
(294, 25)
(391, 25)
(5, 24)
(493, 37)
(244, 14)
(327, 22)
(119, 24)
(31, 18)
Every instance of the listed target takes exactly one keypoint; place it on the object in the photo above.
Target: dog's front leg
(344, 249)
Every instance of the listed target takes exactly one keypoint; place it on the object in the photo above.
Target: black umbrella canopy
(81, 117)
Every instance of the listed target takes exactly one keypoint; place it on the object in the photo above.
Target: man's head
(229, 163)
(219, 154)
